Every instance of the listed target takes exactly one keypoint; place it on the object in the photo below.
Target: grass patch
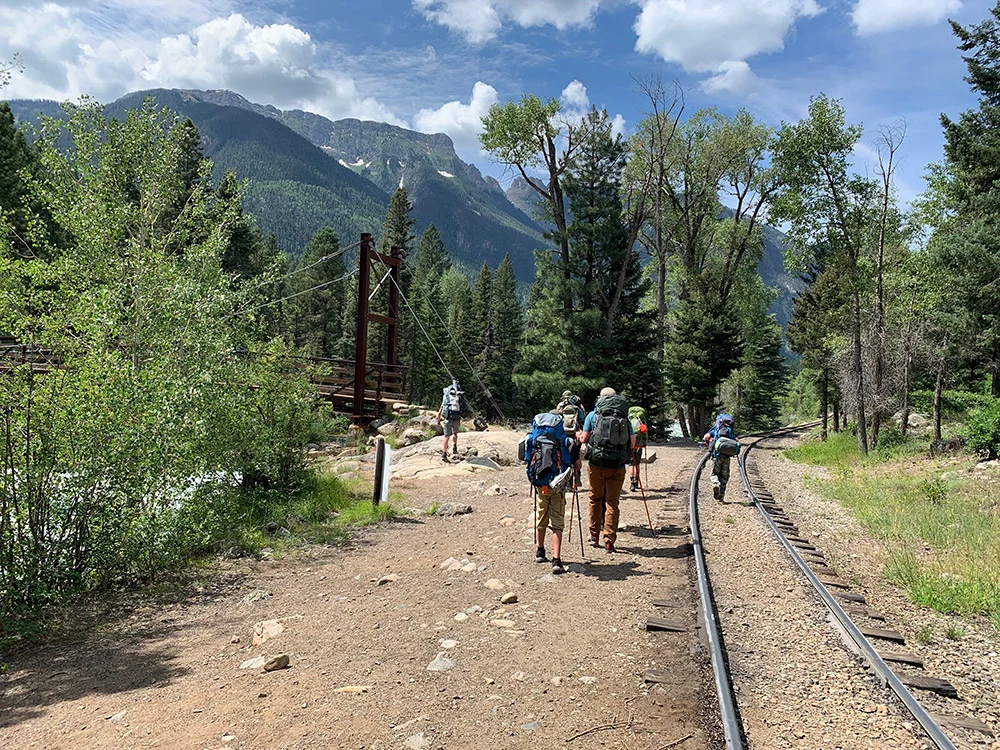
(840, 451)
(943, 536)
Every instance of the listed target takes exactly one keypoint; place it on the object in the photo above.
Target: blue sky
(437, 65)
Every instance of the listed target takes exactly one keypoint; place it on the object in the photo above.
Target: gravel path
(796, 685)
(568, 656)
(971, 663)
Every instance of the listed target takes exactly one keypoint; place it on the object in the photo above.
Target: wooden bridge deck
(334, 378)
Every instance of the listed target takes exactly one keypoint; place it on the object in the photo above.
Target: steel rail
(847, 626)
(731, 724)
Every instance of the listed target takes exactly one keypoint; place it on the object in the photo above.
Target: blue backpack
(724, 441)
(546, 449)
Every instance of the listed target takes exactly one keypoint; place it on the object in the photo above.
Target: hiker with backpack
(637, 418)
(721, 441)
(546, 449)
(570, 408)
(608, 436)
(452, 407)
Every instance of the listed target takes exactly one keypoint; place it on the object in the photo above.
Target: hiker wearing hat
(570, 408)
(452, 406)
(608, 435)
(721, 441)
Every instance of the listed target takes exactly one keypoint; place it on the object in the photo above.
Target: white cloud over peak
(878, 16)
(272, 61)
(481, 20)
(462, 122)
(71, 49)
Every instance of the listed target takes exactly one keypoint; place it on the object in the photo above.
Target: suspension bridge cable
(293, 296)
(423, 330)
(472, 369)
(324, 259)
(489, 394)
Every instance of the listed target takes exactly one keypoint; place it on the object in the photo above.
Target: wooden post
(361, 330)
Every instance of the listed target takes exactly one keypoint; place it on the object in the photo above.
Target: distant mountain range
(305, 171)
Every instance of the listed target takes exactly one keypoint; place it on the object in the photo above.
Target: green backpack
(610, 442)
(637, 417)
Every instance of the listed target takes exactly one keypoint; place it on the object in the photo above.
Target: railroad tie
(911, 660)
(933, 684)
(964, 722)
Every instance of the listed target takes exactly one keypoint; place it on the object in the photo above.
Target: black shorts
(574, 452)
(637, 453)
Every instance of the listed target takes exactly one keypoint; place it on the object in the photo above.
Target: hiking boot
(634, 484)
(557, 566)
(454, 450)
(540, 555)
(444, 455)
(716, 492)
(609, 548)
(595, 541)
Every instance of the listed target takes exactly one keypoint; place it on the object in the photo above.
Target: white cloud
(481, 20)
(74, 48)
(702, 35)
(732, 77)
(878, 16)
(617, 125)
(574, 97)
(462, 122)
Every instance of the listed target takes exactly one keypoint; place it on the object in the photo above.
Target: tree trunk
(836, 414)
(858, 372)
(938, 388)
(693, 423)
(825, 400)
(661, 302)
(904, 421)
(682, 421)
(995, 384)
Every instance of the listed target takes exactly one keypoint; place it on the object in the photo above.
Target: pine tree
(16, 158)
(396, 232)
(506, 326)
(316, 317)
(424, 270)
(608, 338)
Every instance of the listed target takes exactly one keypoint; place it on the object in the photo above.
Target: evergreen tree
(424, 270)
(971, 251)
(16, 203)
(316, 317)
(479, 347)
(396, 232)
(507, 325)
(607, 337)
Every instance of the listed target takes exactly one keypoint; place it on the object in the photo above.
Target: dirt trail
(567, 657)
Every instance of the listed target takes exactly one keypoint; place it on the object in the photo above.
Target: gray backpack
(610, 439)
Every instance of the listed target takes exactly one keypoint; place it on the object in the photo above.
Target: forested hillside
(475, 219)
(293, 188)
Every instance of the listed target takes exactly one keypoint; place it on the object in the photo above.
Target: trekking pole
(645, 504)
(579, 518)
(570, 537)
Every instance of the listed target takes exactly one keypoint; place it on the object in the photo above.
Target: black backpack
(610, 441)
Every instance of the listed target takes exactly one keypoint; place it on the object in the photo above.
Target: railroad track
(830, 590)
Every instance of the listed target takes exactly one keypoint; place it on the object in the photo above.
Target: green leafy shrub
(984, 430)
